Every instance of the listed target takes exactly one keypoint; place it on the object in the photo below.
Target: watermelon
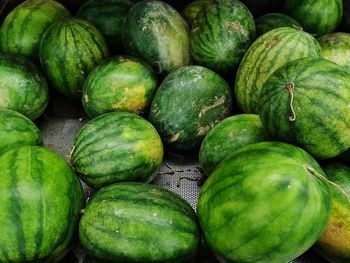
(187, 104)
(156, 32)
(192, 9)
(267, 203)
(270, 21)
(220, 35)
(107, 16)
(17, 130)
(23, 87)
(41, 198)
(306, 102)
(24, 26)
(317, 17)
(138, 222)
(267, 53)
(69, 50)
(120, 83)
(228, 136)
(260, 7)
(333, 244)
(336, 47)
(115, 147)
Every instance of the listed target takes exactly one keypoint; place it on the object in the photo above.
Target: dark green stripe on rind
(320, 87)
(117, 146)
(240, 208)
(138, 222)
(42, 199)
(69, 51)
(267, 53)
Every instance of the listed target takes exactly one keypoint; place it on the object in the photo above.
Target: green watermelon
(41, 198)
(266, 203)
(334, 242)
(17, 130)
(318, 17)
(267, 53)
(107, 16)
(220, 35)
(115, 147)
(24, 26)
(138, 222)
(187, 104)
(228, 136)
(270, 21)
(23, 87)
(157, 33)
(192, 9)
(69, 51)
(336, 48)
(120, 83)
(306, 102)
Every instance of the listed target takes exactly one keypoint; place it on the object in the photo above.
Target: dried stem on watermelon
(290, 88)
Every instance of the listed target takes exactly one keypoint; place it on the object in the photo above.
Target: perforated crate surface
(179, 172)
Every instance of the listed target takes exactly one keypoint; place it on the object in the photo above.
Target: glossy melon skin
(138, 222)
(155, 32)
(296, 106)
(41, 201)
(23, 86)
(69, 51)
(116, 147)
(17, 130)
(264, 204)
(120, 83)
(24, 26)
(188, 103)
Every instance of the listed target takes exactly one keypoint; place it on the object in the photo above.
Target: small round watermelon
(115, 147)
(120, 83)
(138, 222)
(192, 9)
(41, 199)
(23, 87)
(268, 202)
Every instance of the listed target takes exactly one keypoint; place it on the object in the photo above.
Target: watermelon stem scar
(290, 88)
(323, 178)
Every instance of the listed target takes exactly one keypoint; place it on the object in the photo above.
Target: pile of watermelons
(260, 90)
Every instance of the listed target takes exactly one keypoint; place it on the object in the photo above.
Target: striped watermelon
(138, 222)
(24, 26)
(264, 204)
(318, 17)
(23, 87)
(336, 47)
(264, 56)
(157, 33)
(41, 200)
(228, 136)
(17, 130)
(220, 35)
(107, 16)
(306, 102)
(120, 83)
(69, 50)
(192, 9)
(270, 21)
(117, 146)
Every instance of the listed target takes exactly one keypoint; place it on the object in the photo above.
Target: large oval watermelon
(23, 87)
(266, 203)
(121, 83)
(117, 146)
(267, 53)
(17, 130)
(138, 222)
(220, 35)
(24, 26)
(69, 50)
(41, 198)
(157, 33)
(188, 103)
(306, 102)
